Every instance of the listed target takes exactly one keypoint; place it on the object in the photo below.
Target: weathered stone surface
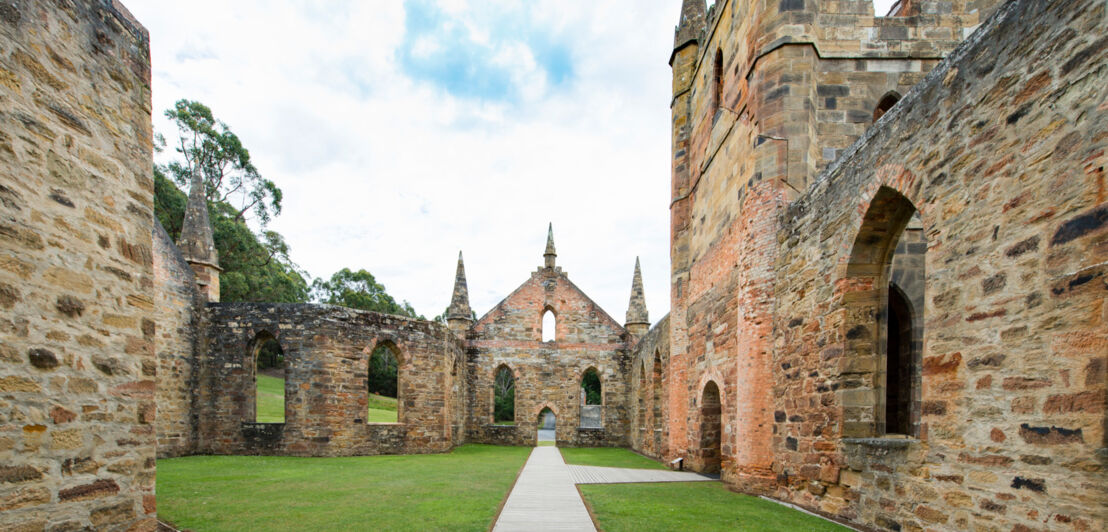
(792, 222)
(75, 159)
(548, 374)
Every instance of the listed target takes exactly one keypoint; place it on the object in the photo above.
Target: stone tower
(638, 319)
(765, 96)
(459, 316)
(196, 242)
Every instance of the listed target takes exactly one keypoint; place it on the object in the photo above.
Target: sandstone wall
(77, 326)
(797, 82)
(548, 374)
(1001, 150)
(178, 312)
(327, 352)
(649, 368)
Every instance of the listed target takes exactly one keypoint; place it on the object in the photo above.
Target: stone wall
(548, 374)
(77, 323)
(179, 311)
(649, 370)
(327, 352)
(1001, 150)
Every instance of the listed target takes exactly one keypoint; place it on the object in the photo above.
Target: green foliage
(590, 383)
(210, 148)
(360, 290)
(169, 204)
(270, 355)
(382, 372)
(254, 269)
(460, 490)
(504, 396)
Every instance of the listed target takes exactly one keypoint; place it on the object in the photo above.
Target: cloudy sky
(403, 132)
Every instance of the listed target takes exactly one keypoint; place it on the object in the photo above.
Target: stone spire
(459, 316)
(549, 255)
(196, 243)
(638, 319)
(692, 24)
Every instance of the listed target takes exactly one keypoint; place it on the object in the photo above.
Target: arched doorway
(711, 433)
(548, 425)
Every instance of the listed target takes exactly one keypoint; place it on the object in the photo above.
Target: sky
(404, 132)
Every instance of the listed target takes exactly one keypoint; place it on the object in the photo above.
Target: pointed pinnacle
(636, 308)
(459, 300)
(196, 241)
(550, 240)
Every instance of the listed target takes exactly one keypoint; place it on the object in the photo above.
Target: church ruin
(888, 291)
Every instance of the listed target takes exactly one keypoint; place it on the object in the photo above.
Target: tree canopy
(208, 147)
(360, 290)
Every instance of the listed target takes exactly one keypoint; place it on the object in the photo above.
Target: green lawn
(456, 491)
(608, 457)
(691, 506)
(382, 409)
(271, 403)
(270, 399)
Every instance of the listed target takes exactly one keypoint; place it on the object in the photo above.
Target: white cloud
(395, 175)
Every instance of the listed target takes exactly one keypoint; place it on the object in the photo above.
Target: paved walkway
(545, 496)
(620, 475)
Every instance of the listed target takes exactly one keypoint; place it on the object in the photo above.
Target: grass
(691, 506)
(270, 399)
(456, 491)
(382, 409)
(271, 403)
(607, 457)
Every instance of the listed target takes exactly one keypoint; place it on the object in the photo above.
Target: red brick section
(781, 268)
(548, 374)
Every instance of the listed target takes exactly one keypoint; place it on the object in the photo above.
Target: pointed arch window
(504, 397)
(549, 326)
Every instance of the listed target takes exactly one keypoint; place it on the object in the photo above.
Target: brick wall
(77, 324)
(548, 374)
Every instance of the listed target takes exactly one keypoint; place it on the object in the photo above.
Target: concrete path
(620, 475)
(544, 497)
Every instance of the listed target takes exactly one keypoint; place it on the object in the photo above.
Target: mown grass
(382, 409)
(456, 491)
(270, 399)
(691, 506)
(271, 403)
(607, 457)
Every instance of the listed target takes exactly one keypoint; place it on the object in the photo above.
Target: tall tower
(638, 319)
(196, 243)
(459, 317)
